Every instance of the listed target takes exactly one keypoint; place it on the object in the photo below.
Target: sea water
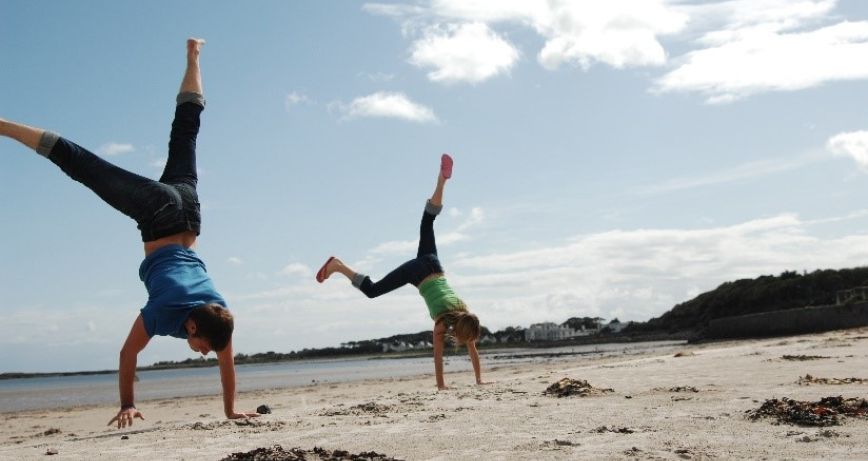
(43, 393)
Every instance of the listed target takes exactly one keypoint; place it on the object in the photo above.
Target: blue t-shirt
(177, 283)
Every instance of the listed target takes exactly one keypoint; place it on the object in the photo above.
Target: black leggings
(412, 271)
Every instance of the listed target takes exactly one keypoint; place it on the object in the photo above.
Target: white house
(548, 331)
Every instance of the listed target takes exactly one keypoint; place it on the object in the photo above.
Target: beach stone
(51, 451)
(263, 410)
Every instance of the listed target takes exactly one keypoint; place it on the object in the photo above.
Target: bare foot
(193, 46)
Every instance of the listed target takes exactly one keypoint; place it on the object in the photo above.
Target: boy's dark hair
(214, 323)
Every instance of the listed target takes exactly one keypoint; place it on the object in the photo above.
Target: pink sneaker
(446, 166)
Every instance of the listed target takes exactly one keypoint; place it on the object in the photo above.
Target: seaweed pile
(807, 380)
(278, 453)
(825, 412)
(567, 387)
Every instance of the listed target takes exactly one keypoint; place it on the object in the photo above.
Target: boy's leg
(181, 164)
(27, 135)
(117, 187)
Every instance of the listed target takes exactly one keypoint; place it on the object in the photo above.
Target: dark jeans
(160, 208)
(412, 271)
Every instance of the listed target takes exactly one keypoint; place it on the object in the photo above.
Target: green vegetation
(790, 290)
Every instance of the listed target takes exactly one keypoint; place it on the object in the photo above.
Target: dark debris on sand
(567, 387)
(369, 408)
(677, 389)
(278, 453)
(825, 412)
(802, 358)
(617, 430)
(807, 380)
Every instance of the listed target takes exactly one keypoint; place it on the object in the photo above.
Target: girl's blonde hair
(461, 325)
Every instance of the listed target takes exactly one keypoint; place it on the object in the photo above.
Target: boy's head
(209, 328)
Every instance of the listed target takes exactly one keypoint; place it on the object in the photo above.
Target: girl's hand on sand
(242, 415)
(125, 418)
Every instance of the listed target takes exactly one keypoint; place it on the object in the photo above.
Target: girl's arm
(226, 360)
(439, 333)
(474, 359)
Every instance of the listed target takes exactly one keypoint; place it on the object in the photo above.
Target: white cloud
(620, 33)
(235, 260)
(443, 239)
(388, 105)
(761, 59)
(463, 53)
(732, 49)
(641, 273)
(750, 170)
(113, 148)
(295, 98)
(378, 77)
(853, 144)
(159, 163)
(296, 270)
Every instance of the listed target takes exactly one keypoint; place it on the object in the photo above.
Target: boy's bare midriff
(186, 239)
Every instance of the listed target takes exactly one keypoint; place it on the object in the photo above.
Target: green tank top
(439, 297)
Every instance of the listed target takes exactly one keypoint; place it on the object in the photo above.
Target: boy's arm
(226, 359)
(136, 341)
(474, 359)
(439, 333)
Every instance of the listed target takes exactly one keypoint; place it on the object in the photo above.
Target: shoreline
(212, 362)
(62, 393)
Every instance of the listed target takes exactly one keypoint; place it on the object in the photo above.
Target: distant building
(853, 295)
(487, 339)
(548, 331)
(615, 326)
(395, 347)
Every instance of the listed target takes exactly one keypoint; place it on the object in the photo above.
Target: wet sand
(694, 406)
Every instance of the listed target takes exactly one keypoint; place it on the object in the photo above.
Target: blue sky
(611, 160)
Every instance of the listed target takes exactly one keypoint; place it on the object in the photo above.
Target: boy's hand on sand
(125, 418)
(242, 415)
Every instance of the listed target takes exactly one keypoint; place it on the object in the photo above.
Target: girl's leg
(181, 165)
(427, 243)
(411, 272)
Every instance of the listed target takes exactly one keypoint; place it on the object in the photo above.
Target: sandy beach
(684, 402)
